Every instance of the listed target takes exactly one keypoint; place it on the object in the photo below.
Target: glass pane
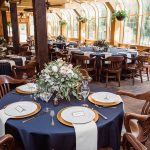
(101, 9)
(31, 26)
(130, 30)
(146, 5)
(102, 28)
(145, 31)
(23, 32)
(91, 29)
(131, 6)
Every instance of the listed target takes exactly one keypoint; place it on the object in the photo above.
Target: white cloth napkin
(129, 56)
(3, 119)
(23, 60)
(12, 63)
(86, 136)
(88, 53)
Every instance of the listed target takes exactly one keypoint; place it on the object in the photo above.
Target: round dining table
(39, 134)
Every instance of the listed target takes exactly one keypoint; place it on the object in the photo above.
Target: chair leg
(147, 72)
(118, 77)
(133, 77)
(141, 76)
(106, 78)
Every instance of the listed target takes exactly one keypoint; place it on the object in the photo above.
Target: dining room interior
(74, 74)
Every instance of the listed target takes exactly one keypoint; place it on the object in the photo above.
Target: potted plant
(82, 19)
(119, 15)
(63, 22)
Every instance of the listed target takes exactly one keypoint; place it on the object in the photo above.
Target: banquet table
(39, 134)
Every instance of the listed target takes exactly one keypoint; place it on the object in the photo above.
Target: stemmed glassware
(30, 85)
(85, 90)
(46, 97)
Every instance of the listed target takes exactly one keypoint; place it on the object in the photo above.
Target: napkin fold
(3, 119)
(23, 60)
(86, 136)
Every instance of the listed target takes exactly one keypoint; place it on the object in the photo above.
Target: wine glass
(46, 97)
(30, 85)
(85, 81)
(85, 90)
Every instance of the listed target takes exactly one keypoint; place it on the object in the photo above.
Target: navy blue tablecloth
(38, 134)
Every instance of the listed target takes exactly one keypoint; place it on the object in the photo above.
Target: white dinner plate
(105, 97)
(78, 114)
(19, 109)
(29, 87)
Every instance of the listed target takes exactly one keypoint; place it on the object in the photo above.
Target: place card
(78, 114)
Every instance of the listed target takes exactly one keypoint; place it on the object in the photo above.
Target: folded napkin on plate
(86, 136)
(3, 119)
(23, 60)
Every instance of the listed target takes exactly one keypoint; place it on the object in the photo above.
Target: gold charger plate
(69, 123)
(23, 92)
(102, 103)
(28, 115)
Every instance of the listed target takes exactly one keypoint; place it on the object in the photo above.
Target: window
(102, 21)
(145, 28)
(53, 27)
(91, 24)
(130, 25)
(31, 25)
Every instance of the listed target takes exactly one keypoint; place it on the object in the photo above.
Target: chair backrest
(133, 47)
(5, 82)
(30, 69)
(84, 61)
(115, 62)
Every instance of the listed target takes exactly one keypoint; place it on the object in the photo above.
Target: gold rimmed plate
(22, 109)
(102, 103)
(67, 123)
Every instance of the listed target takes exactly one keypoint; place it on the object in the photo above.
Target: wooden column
(40, 31)
(4, 21)
(15, 31)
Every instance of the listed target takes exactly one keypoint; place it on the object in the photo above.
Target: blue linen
(38, 134)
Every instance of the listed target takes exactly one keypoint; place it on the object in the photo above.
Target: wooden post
(14, 21)
(40, 30)
(4, 21)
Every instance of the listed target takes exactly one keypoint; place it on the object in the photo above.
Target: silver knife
(42, 113)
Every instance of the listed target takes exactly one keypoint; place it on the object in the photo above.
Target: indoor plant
(82, 19)
(63, 22)
(60, 78)
(119, 15)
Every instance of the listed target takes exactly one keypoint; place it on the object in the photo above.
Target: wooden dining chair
(6, 82)
(136, 68)
(142, 127)
(63, 56)
(7, 142)
(114, 67)
(87, 63)
(30, 69)
(130, 141)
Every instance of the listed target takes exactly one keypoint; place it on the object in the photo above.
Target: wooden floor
(131, 105)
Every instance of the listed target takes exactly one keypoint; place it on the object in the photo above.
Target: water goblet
(46, 97)
(85, 90)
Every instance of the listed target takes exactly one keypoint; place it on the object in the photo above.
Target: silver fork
(52, 114)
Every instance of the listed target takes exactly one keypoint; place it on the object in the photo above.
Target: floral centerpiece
(3, 42)
(60, 78)
(60, 38)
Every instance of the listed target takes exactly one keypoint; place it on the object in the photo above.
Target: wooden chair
(7, 142)
(6, 82)
(137, 67)
(142, 127)
(64, 56)
(133, 47)
(130, 141)
(87, 63)
(114, 67)
(30, 69)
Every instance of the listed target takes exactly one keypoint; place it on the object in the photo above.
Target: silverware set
(52, 114)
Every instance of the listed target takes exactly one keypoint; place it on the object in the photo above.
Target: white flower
(55, 68)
